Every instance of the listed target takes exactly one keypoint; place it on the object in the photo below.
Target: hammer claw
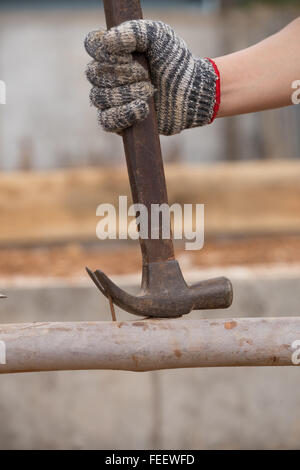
(165, 294)
(95, 280)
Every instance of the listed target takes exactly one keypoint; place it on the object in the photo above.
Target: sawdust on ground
(70, 260)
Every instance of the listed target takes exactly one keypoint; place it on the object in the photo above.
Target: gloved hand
(187, 89)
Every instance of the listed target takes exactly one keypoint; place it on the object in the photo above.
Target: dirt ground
(70, 260)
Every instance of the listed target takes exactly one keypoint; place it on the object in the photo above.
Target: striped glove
(186, 89)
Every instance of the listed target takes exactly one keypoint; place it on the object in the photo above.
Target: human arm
(261, 76)
(189, 91)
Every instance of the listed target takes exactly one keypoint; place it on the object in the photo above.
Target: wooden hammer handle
(142, 146)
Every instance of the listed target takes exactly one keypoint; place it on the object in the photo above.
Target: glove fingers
(104, 98)
(119, 118)
(96, 48)
(128, 37)
(110, 76)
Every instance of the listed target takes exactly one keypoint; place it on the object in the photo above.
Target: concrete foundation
(243, 408)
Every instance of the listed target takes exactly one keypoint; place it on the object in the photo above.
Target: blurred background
(56, 166)
(47, 122)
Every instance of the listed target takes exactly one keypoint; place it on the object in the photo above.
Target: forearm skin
(261, 76)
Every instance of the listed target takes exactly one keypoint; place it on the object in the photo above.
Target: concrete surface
(253, 408)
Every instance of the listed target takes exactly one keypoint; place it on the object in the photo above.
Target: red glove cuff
(218, 90)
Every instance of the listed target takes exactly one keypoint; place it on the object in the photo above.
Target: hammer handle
(142, 147)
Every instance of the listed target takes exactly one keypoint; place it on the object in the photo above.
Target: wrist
(217, 90)
(231, 86)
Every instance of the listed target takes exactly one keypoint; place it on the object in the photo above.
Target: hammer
(164, 292)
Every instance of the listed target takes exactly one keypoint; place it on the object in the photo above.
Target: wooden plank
(144, 345)
(239, 198)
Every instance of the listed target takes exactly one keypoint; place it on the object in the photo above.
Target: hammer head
(164, 292)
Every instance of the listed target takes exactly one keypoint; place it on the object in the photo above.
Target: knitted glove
(187, 89)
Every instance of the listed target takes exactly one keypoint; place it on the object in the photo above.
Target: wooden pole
(146, 345)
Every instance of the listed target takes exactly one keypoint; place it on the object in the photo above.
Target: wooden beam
(239, 198)
(144, 345)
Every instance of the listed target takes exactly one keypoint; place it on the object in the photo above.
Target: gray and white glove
(186, 89)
